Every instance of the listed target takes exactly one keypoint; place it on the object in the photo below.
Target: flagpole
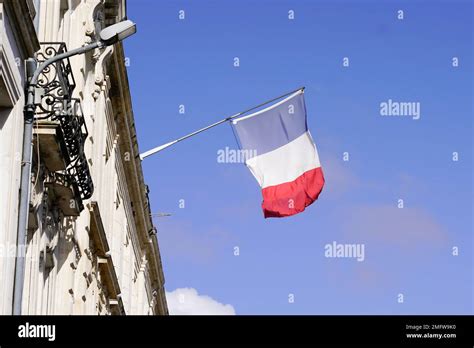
(164, 146)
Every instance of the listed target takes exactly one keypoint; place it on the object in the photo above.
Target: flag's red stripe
(292, 197)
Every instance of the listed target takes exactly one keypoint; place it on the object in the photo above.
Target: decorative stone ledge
(49, 137)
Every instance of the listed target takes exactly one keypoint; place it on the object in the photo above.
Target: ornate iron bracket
(57, 105)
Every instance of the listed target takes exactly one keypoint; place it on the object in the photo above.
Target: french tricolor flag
(281, 156)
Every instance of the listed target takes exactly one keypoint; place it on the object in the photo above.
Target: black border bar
(290, 330)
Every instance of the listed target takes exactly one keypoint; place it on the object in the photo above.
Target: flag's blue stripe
(273, 128)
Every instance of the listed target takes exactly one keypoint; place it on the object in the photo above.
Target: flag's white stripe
(268, 108)
(285, 163)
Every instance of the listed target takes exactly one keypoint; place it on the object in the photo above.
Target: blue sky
(407, 251)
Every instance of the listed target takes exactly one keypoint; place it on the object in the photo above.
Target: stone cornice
(8, 78)
(121, 99)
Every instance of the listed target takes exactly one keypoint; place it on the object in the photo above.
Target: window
(6, 105)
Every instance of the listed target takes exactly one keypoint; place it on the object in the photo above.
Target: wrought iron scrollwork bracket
(58, 105)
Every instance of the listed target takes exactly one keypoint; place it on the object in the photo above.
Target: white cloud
(187, 301)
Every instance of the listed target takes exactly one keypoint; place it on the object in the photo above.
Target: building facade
(91, 244)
